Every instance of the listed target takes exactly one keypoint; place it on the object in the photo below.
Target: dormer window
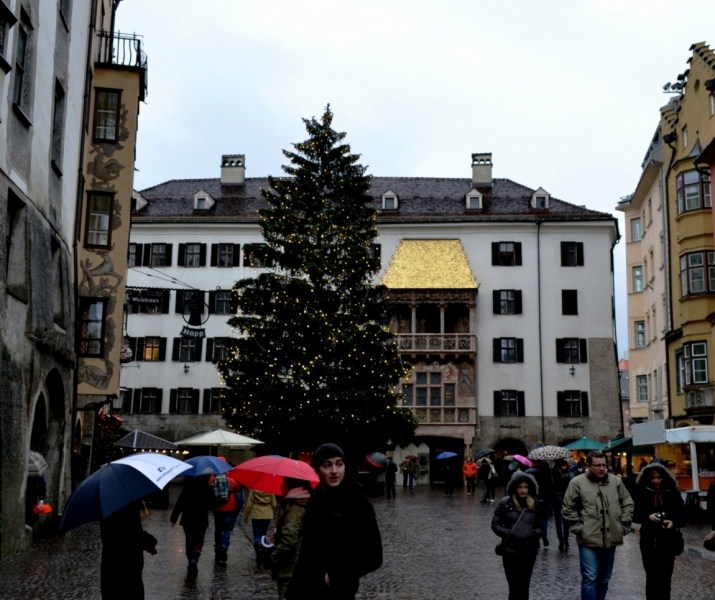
(474, 200)
(540, 199)
(203, 200)
(390, 201)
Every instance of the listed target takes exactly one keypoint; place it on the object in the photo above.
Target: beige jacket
(259, 505)
(599, 513)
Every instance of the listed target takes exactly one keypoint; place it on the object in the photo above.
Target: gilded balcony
(437, 343)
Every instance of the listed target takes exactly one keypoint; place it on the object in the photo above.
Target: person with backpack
(228, 501)
(259, 508)
(193, 506)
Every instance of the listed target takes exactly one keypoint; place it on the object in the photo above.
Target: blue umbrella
(207, 465)
(444, 455)
(117, 484)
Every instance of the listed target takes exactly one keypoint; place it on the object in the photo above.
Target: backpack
(221, 489)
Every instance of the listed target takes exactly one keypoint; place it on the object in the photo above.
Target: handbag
(677, 543)
(500, 548)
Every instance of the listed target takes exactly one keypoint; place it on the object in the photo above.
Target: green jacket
(599, 513)
(289, 536)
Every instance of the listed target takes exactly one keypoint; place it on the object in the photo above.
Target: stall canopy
(585, 444)
(140, 440)
(625, 445)
(218, 437)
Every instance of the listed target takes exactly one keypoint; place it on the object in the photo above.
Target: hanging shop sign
(140, 298)
(188, 332)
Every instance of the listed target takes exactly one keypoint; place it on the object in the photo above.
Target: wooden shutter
(234, 302)
(199, 349)
(195, 401)
(137, 400)
(517, 302)
(202, 255)
(560, 404)
(140, 348)
(173, 394)
(133, 346)
(495, 254)
(496, 302)
(583, 350)
(214, 255)
(497, 403)
(175, 350)
(496, 350)
(237, 255)
(162, 349)
(519, 350)
(159, 399)
(585, 411)
(138, 255)
(579, 254)
(165, 302)
(520, 405)
(167, 256)
(517, 254)
(179, 301)
(181, 258)
(147, 256)
(145, 403)
(127, 401)
(206, 408)
(559, 351)
(209, 349)
(212, 302)
(564, 254)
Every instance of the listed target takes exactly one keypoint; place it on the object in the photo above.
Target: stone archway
(508, 445)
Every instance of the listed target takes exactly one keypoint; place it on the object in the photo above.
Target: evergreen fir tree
(315, 360)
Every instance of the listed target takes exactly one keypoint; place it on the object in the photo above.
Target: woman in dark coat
(517, 521)
(341, 540)
(123, 543)
(193, 506)
(659, 509)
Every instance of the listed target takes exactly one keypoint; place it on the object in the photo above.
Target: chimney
(233, 169)
(482, 169)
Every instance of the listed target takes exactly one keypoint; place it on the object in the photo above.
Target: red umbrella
(266, 473)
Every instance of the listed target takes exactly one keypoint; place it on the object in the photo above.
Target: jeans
(548, 504)
(518, 569)
(194, 540)
(596, 571)
(488, 490)
(260, 528)
(390, 486)
(412, 480)
(223, 526)
(471, 485)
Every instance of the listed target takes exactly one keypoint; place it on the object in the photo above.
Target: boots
(193, 567)
(221, 556)
(260, 552)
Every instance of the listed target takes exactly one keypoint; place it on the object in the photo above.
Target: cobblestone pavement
(435, 548)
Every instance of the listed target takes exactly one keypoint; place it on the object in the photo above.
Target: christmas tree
(315, 360)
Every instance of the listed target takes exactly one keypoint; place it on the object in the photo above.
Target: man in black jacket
(193, 506)
(341, 540)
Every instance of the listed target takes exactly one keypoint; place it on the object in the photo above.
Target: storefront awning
(429, 264)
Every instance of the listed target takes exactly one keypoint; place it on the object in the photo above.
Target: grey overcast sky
(565, 94)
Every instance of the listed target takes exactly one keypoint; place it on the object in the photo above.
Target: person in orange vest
(470, 474)
(228, 502)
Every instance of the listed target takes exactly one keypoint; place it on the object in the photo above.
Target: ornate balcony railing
(123, 50)
(437, 342)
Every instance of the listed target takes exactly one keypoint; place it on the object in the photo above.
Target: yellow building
(117, 84)
(687, 124)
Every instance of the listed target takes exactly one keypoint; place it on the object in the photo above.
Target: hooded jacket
(521, 535)
(289, 534)
(598, 512)
(259, 505)
(193, 504)
(469, 469)
(668, 500)
(340, 539)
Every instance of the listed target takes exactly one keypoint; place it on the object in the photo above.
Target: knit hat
(325, 452)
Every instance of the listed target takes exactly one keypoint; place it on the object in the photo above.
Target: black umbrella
(482, 453)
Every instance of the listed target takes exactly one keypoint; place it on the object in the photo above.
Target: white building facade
(508, 320)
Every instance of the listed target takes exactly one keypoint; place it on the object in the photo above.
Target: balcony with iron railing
(441, 343)
(115, 49)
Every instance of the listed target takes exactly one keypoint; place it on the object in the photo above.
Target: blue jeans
(596, 571)
(412, 480)
(223, 526)
(260, 528)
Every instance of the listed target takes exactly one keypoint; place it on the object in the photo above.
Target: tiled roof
(420, 199)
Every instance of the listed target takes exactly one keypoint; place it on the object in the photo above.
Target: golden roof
(429, 264)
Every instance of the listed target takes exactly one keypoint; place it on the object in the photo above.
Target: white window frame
(642, 388)
(636, 229)
(638, 281)
(640, 334)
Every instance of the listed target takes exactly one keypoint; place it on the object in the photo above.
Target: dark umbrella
(445, 455)
(117, 484)
(376, 459)
(482, 453)
(207, 465)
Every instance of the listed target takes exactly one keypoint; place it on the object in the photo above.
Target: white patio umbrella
(218, 437)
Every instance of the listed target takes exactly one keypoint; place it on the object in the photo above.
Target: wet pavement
(435, 547)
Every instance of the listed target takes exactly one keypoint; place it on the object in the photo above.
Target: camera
(662, 516)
